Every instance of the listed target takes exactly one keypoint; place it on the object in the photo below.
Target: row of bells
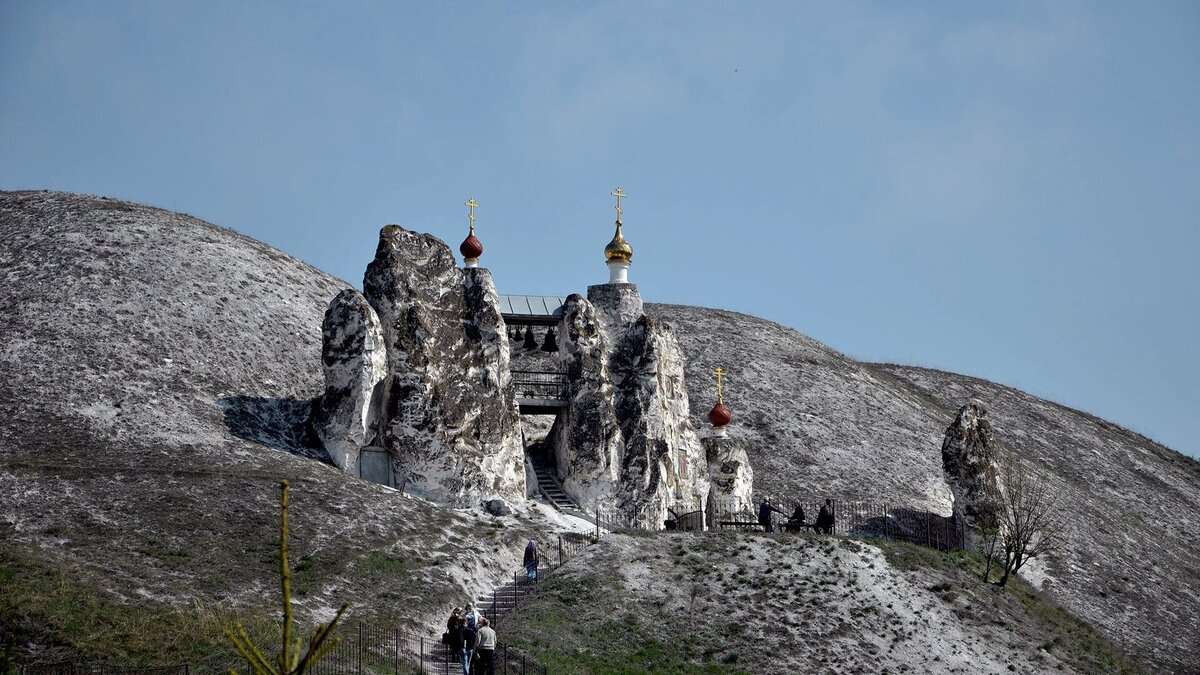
(529, 340)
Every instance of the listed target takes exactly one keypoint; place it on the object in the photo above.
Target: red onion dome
(470, 248)
(720, 416)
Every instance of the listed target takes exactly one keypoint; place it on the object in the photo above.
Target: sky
(1006, 190)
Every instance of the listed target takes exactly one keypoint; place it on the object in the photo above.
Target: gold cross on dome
(618, 193)
(720, 385)
(471, 206)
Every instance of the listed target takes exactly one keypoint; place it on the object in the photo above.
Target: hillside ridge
(151, 359)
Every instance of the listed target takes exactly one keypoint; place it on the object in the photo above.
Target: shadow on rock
(278, 423)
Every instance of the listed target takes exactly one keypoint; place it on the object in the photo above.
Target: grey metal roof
(531, 306)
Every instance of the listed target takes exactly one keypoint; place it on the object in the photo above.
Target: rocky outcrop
(447, 412)
(626, 438)
(586, 439)
(971, 465)
(730, 473)
(355, 362)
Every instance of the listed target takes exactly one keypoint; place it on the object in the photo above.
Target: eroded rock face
(447, 408)
(586, 438)
(355, 362)
(730, 473)
(971, 466)
(626, 437)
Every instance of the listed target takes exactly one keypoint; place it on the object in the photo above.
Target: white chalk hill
(157, 370)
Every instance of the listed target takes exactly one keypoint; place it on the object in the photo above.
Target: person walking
(472, 616)
(485, 647)
(531, 560)
(764, 514)
(469, 637)
(454, 637)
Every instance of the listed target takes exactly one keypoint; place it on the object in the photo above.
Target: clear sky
(1007, 190)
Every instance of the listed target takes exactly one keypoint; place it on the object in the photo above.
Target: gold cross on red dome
(720, 385)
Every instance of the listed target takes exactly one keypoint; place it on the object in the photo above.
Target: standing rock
(626, 438)
(355, 362)
(664, 464)
(450, 415)
(970, 463)
(586, 438)
(730, 473)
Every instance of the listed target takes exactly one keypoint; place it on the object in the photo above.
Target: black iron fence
(375, 650)
(78, 668)
(538, 384)
(506, 599)
(851, 518)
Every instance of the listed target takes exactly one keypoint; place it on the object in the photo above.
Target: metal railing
(78, 668)
(506, 599)
(376, 650)
(539, 384)
(855, 519)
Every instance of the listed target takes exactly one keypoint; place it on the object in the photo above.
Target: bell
(550, 344)
(530, 342)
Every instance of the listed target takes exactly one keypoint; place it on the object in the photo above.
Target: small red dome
(720, 415)
(470, 248)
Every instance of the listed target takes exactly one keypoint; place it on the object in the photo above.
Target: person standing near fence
(764, 514)
(469, 638)
(825, 518)
(796, 522)
(531, 559)
(485, 646)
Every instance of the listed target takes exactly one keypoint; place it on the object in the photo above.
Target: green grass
(615, 646)
(382, 563)
(1068, 637)
(46, 604)
(1072, 639)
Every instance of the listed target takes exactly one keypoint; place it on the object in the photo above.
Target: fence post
(396, 662)
(422, 639)
(887, 517)
(360, 646)
(560, 550)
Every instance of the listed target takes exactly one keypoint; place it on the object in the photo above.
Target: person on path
(473, 616)
(796, 521)
(485, 647)
(469, 637)
(531, 559)
(764, 514)
(825, 518)
(454, 639)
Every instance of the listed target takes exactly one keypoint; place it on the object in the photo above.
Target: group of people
(470, 638)
(796, 521)
(469, 635)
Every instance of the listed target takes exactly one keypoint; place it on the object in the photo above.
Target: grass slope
(723, 602)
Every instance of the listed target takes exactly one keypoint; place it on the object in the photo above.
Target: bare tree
(1030, 524)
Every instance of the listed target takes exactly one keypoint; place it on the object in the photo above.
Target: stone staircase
(549, 486)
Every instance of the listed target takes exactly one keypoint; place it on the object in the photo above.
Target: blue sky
(1007, 190)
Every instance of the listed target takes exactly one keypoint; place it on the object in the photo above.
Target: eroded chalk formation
(586, 438)
(355, 362)
(730, 473)
(971, 467)
(445, 410)
(626, 438)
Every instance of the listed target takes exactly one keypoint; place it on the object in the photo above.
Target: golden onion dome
(618, 249)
